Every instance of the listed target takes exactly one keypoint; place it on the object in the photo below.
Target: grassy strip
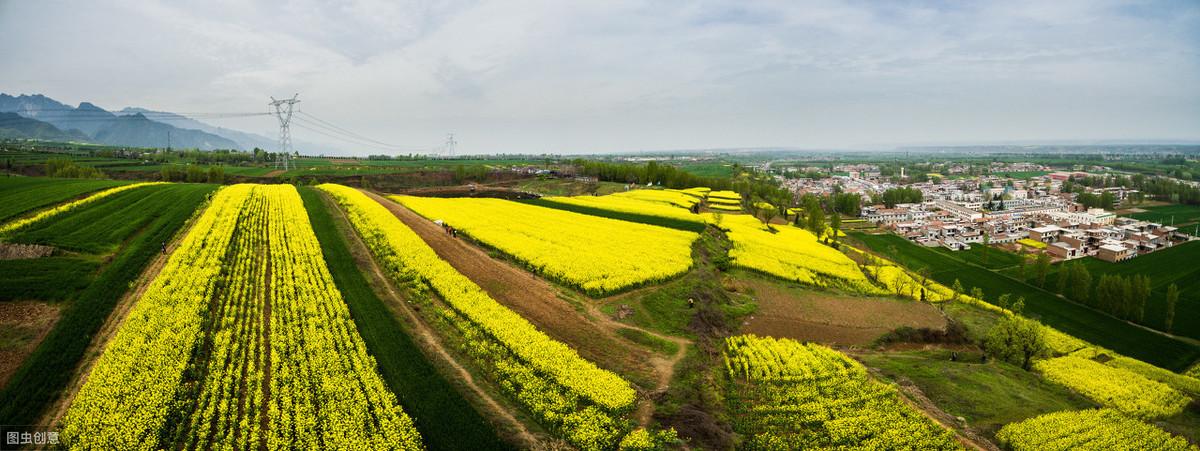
(47, 371)
(1066, 316)
(988, 395)
(660, 345)
(443, 417)
(631, 217)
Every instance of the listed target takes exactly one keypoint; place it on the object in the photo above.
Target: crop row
(565, 391)
(1087, 429)
(597, 255)
(788, 395)
(41, 215)
(231, 338)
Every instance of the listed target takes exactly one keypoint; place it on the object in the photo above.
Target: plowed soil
(821, 317)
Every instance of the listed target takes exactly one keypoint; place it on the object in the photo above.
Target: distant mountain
(137, 130)
(15, 126)
(245, 141)
(99, 125)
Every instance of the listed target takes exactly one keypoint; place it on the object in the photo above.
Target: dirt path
(665, 368)
(533, 298)
(426, 338)
(111, 325)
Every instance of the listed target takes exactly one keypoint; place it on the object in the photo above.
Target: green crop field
(1179, 215)
(23, 194)
(160, 212)
(1074, 319)
(1176, 265)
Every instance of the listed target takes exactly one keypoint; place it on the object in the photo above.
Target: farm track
(428, 339)
(531, 297)
(111, 325)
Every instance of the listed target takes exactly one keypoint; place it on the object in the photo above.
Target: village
(962, 210)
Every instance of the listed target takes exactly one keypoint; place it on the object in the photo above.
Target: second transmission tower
(450, 143)
(283, 111)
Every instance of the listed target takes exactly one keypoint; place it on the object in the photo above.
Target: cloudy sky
(614, 75)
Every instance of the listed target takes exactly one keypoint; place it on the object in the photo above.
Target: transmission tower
(284, 114)
(450, 143)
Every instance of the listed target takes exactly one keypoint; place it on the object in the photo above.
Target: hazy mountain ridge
(15, 126)
(98, 125)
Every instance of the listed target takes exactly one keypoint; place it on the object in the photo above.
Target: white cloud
(547, 76)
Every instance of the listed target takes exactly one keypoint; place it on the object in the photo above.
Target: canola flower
(406, 255)
(732, 195)
(251, 252)
(597, 255)
(1095, 429)
(788, 395)
(42, 215)
(1121, 389)
(723, 207)
(667, 197)
(791, 253)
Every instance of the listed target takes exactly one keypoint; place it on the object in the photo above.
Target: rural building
(1115, 253)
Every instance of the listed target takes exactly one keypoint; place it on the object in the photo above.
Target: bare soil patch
(533, 298)
(17, 251)
(830, 318)
(23, 325)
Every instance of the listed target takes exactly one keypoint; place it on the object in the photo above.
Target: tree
(835, 223)
(1172, 299)
(1002, 301)
(1042, 265)
(1064, 276)
(958, 289)
(987, 239)
(1018, 306)
(815, 215)
(1021, 265)
(1081, 283)
(977, 293)
(1017, 340)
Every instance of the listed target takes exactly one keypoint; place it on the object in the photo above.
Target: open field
(1056, 312)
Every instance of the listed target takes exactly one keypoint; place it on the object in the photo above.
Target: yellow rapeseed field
(597, 255)
(251, 252)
